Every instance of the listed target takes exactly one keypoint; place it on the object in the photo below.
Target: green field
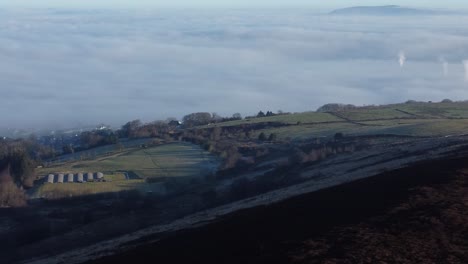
(177, 160)
(386, 112)
(117, 183)
(103, 150)
(306, 117)
(415, 119)
(428, 127)
(149, 168)
(411, 119)
(373, 114)
(412, 110)
(437, 110)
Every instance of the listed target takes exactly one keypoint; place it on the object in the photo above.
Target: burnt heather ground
(413, 215)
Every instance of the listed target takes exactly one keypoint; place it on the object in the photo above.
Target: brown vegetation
(11, 195)
(16, 172)
(412, 215)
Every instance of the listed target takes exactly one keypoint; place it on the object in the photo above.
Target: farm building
(50, 178)
(80, 177)
(175, 123)
(70, 177)
(60, 178)
(89, 176)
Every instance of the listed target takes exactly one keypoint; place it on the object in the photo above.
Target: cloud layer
(70, 67)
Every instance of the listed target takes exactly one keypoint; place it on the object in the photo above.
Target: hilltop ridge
(388, 10)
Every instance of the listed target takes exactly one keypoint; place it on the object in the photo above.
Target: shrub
(232, 156)
(11, 195)
(272, 137)
(339, 136)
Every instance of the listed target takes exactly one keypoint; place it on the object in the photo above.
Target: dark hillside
(413, 215)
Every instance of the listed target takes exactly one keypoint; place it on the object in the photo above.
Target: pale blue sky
(227, 3)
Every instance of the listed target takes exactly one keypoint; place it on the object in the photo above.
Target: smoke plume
(445, 66)
(465, 64)
(402, 58)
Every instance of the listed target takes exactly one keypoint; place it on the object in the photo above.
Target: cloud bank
(67, 67)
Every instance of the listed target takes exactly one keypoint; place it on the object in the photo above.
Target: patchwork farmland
(143, 169)
(408, 119)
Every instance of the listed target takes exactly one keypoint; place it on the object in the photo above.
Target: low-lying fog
(68, 67)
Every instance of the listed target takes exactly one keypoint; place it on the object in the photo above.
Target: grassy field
(426, 127)
(437, 110)
(184, 161)
(412, 110)
(176, 160)
(429, 127)
(415, 119)
(408, 119)
(387, 112)
(99, 151)
(77, 189)
(374, 114)
(307, 117)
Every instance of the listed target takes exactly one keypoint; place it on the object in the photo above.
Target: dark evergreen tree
(262, 137)
(272, 137)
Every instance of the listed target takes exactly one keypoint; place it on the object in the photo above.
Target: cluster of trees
(336, 107)
(205, 118)
(16, 172)
(217, 140)
(137, 129)
(198, 119)
(156, 129)
(95, 138)
(130, 129)
(31, 146)
(271, 137)
(268, 113)
(10, 194)
(34, 148)
(227, 142)
(316, 152)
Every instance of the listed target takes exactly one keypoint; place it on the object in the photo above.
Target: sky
(227, 3)
(68, 67)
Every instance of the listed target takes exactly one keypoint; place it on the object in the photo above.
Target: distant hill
(390, 10)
